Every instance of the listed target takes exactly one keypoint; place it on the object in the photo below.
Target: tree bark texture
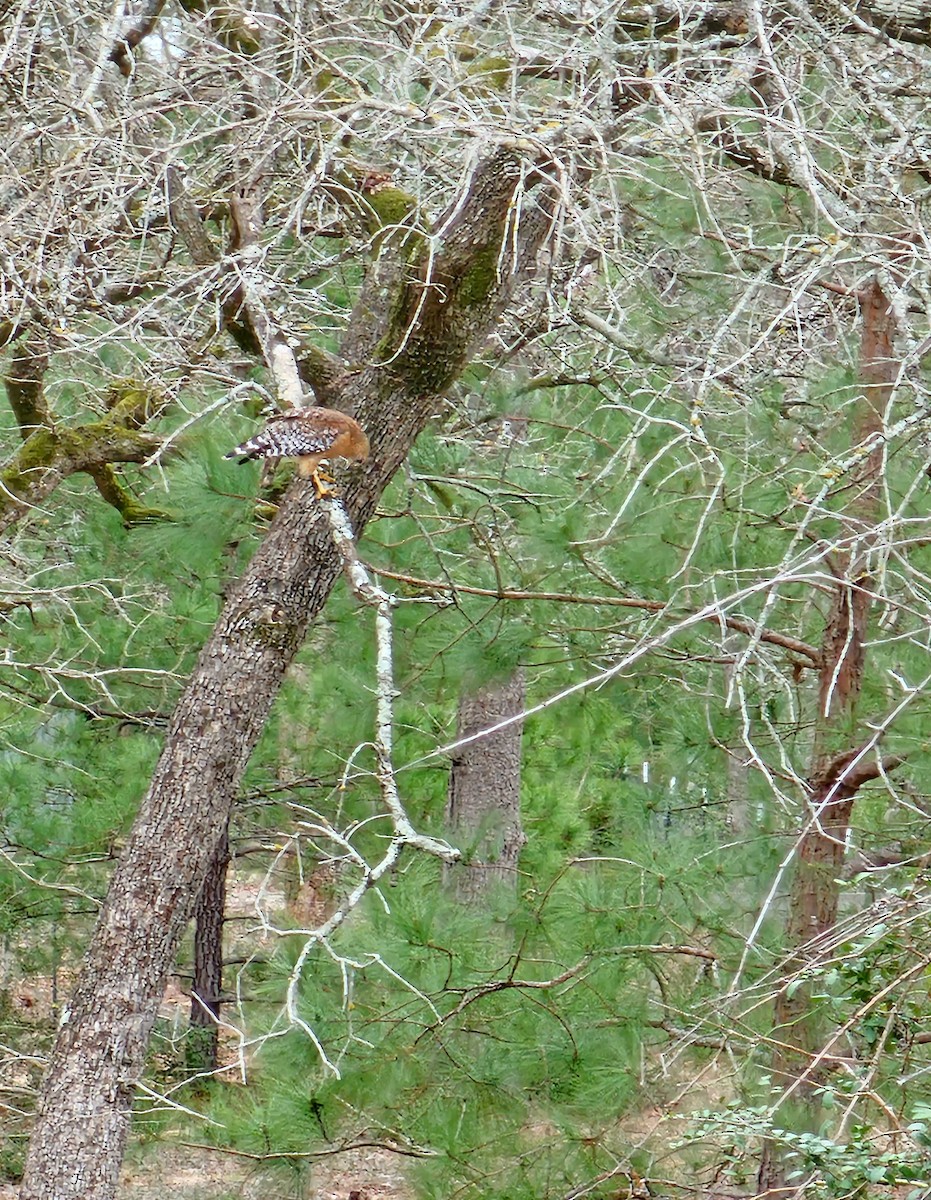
(207, 984)
(483, 808)
(408, 339)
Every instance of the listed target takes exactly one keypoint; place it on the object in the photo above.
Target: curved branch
(841, 777)
(50, 455)
(479, 991)
(187, 220)
(25, 381)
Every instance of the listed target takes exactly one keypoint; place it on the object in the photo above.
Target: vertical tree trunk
(207, 985)
(483, 808)
(835, 774)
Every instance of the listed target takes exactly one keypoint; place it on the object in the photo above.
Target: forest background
(632, 301)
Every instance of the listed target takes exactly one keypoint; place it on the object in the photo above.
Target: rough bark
(483, 807)
(186, 219)
(408, 342)
(907, 20)
(207, 984)
(25, 382)
(833, 782)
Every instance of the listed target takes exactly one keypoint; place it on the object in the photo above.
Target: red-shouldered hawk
(309, 435)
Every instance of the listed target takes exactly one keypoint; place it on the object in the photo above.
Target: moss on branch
(390, 206)
(494, 71)
(439, 302)
(480, 278)
(50, 455)
(371, 194)
(132, 403)
(133, 512)
(78, 449)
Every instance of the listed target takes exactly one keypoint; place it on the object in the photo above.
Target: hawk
(309, 435)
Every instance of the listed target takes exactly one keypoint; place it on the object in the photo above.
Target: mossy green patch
(36, 453)
(391, 205)
(133, 403)
(481, 277)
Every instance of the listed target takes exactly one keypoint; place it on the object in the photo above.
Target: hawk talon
(321, 480)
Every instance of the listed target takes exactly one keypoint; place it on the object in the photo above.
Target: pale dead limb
(283, 366)
(404, 834)
(371, 594)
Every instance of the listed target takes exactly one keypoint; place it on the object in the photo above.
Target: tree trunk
(483, 809)
(409, 337)
(207, 984)
(836, 773)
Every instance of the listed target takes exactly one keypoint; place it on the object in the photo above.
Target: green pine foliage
(687, 468)
(472, 1074)
(517, 1089)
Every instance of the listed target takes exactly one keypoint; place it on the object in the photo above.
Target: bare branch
(737, 624)
(371, 594)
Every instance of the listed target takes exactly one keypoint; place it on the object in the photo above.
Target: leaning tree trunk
(207, 982)
(838, 770)
(409, 336)
(483, 809)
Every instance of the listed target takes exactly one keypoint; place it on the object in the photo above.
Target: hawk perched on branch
(309, 435)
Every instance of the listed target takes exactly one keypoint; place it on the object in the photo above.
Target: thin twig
(293, 1155)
